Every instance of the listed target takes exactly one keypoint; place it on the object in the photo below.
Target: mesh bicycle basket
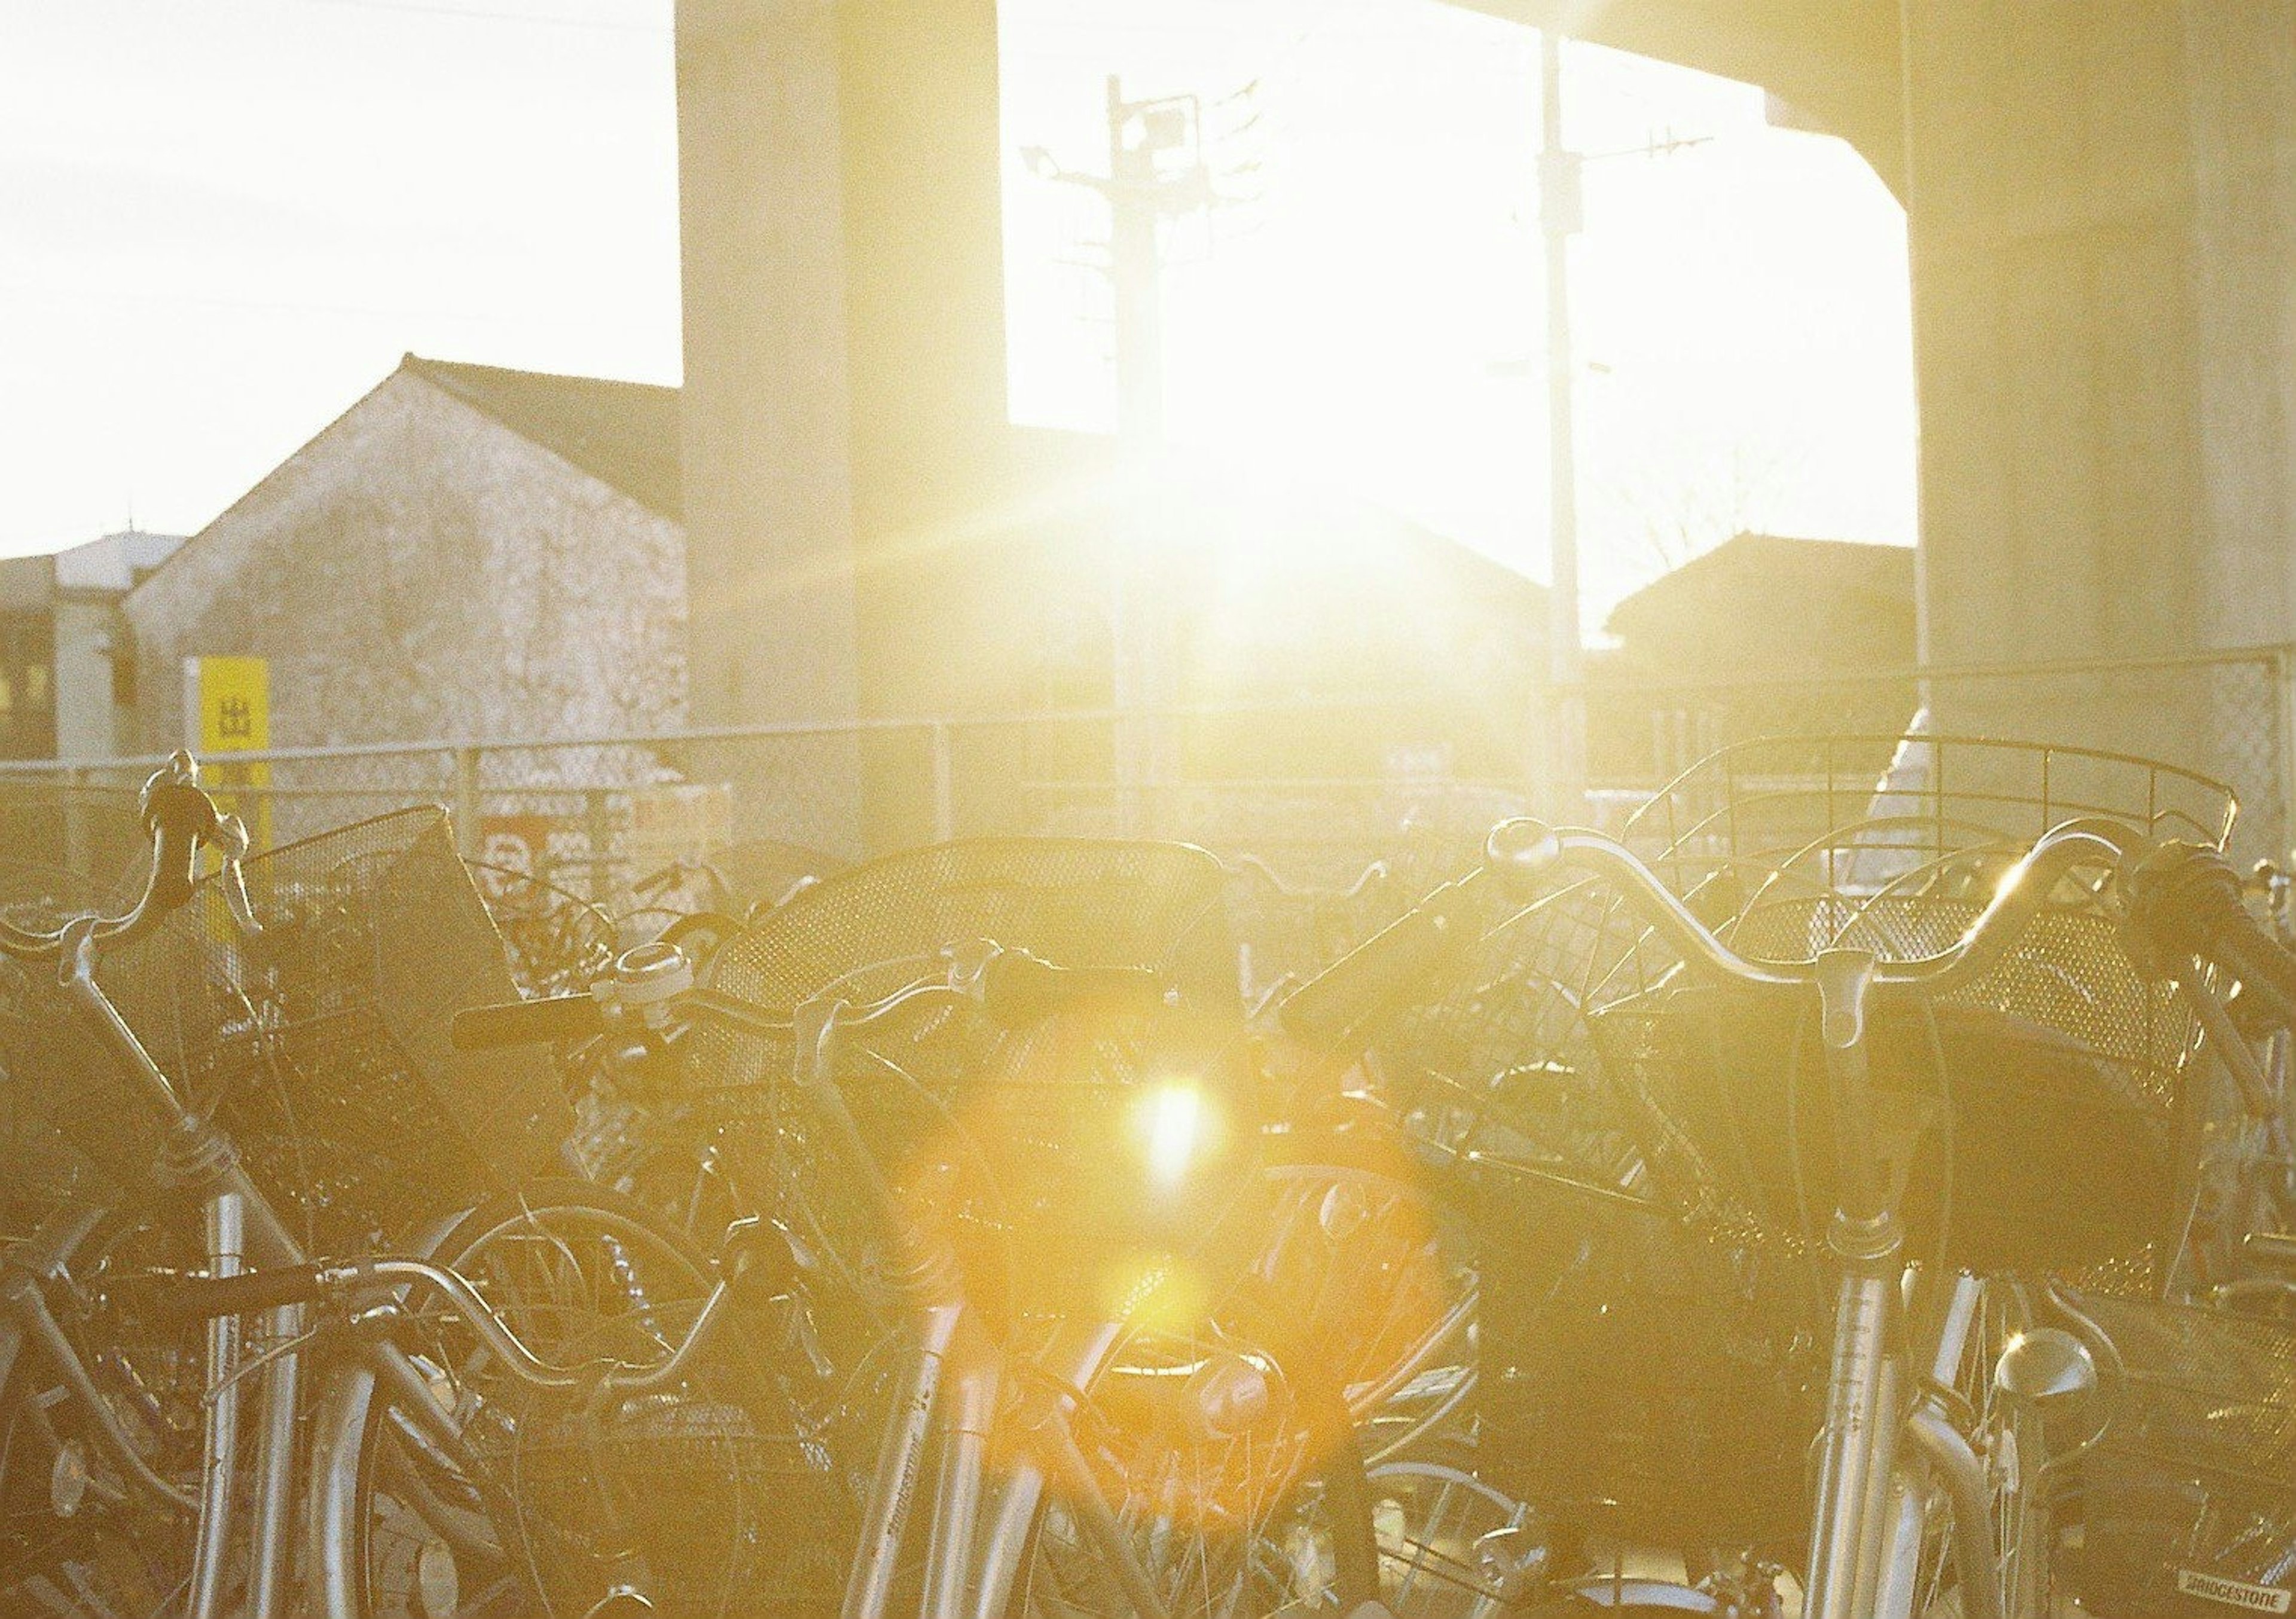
(2188, 1502)
(321, 1042)
(2209, 1393)
(1638, 1377)
(559, 944)
(2027, 1117)
(1283, 932)
(1037, 1122)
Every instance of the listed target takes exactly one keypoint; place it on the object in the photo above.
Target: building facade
(465, 553)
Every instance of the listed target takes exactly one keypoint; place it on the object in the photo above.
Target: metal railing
(1314, 789)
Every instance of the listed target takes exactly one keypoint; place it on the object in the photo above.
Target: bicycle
(1148, 1464)
(1285, 933)
(157, 1368)
(1942, 1396)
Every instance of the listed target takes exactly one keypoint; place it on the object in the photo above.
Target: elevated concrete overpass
(2101, 207)
(1835, 61)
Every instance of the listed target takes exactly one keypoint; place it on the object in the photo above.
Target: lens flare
(1178, 1125)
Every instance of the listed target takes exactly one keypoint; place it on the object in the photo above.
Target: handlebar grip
(2262, 964)
(1388, 972)
(175, 864)
(195, 1299)
(1017, 988)
(2185, 899)
(178, 806)
(1524, 853)
(182, 818)
(488, 1029)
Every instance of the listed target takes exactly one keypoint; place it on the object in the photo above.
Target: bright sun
(1365, 309)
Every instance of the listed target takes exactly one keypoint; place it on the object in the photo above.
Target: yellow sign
(231, 700)
(229, 704)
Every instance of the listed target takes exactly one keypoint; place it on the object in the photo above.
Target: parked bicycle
(1052, 1245)
(253, 1064)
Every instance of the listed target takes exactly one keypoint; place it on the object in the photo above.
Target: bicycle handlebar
(1016, 988)
(2184, 900)
(516, 1022)
(1011, 986)
(1527, 853)
(1366, 880)
(204, 1298)
(182, 819)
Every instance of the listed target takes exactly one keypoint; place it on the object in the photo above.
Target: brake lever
(232, 839)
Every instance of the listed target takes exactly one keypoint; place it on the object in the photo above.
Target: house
(472, 554)
(97, 673)
(1766, 604)
(68, 669)
(1763, 635)
(465, 553)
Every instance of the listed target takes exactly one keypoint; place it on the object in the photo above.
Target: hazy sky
(222, 220)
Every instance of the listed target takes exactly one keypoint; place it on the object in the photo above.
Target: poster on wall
(227, 710)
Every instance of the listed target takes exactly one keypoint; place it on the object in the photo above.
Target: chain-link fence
(1312, 791)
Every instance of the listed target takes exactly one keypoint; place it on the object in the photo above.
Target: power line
(1276, 67)
(165, 297)
(477, 14)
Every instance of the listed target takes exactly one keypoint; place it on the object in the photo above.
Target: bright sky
(222, 220)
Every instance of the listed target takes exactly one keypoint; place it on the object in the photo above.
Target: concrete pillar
(844, 341)
(2100, 206)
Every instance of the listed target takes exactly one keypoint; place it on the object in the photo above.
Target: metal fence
(1314, 790)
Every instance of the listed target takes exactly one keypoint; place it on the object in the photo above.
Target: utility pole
(1156, 170)
(1136, 195)
(1561, 215)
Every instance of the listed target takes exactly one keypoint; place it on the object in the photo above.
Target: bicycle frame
(1887, 1432)
(976, 1535)
(242, 1231)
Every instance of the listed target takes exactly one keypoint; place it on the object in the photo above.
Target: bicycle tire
(75, 1536)
(1310, 1546)
(666, 1496)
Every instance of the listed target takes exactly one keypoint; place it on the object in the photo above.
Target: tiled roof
(624, 433)
(1775, 568)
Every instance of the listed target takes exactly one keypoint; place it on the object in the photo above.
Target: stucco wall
(419, 572)
(88, 720)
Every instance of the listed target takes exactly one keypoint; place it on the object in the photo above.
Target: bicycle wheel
(704, 1499)
(78, 1536)
(1275, 1520)
(1431, 1512)
(1233, 1514)
(1980, 1319)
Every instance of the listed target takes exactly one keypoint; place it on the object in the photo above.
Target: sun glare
(1176, 1124)
(1362, 311)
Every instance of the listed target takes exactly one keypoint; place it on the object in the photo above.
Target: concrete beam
(1836, 63)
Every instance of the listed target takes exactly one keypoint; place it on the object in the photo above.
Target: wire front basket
(2188, 1501)
(1863, 814)
(1285, 933)
(321, 1042)
(2027, 1116)
(1031, 1121)
(2209, 1393)
(558, 943)
(1639, 1380)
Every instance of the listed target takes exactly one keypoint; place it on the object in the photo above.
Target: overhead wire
(488, 14)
